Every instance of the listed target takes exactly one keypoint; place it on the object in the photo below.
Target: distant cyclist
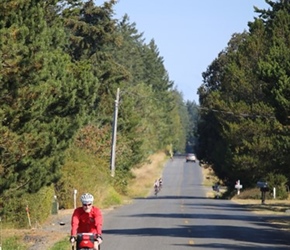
(171, 156)
(216, 188)
(160, 182)
(87, 219)
(156, 187)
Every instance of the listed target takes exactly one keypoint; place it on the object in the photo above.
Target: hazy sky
(189, 33)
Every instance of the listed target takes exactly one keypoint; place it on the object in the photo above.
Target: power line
(236, 114)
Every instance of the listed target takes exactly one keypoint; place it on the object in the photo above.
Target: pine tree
(43, 101)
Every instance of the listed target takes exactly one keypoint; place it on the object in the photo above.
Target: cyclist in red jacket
(87, 219)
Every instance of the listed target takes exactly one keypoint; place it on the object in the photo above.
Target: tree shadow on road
(250, 235)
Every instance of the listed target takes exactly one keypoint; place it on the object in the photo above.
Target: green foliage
(61, 245)
(190, 126)
(121, 180)
(112, 197)
(94, 140)
(14, 213)
(244, 122)
(85, 173)
(61, 63)
(13, 243)
(278, 181)
(44, 98)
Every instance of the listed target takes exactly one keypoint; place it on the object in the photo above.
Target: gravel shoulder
(55, 229)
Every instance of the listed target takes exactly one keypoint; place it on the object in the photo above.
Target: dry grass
(146, 175)
(251, 199)
(139, 187)
(142, 185)
(271, 207)
(274, 207)
(209, 179)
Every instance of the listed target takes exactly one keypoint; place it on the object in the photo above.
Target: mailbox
(263, 188)
(262, 184)
(215, 188)
(238, 185)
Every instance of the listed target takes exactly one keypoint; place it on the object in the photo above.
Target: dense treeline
(61, 64)
(245, 103)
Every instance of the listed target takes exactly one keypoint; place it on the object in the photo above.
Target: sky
(189, 34)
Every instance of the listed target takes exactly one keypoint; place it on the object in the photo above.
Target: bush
(251, 194)
(278, 181)
(111, 197)
(34, 207)
(85, 173)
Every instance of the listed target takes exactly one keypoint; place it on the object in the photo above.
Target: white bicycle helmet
(87, 198)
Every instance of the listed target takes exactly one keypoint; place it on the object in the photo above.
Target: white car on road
(190, 157)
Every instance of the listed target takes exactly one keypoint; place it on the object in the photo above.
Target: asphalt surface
(181, 217)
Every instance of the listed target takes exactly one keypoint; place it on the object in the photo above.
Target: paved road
(181, 217)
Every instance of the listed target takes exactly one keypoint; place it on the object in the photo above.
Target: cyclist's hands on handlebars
(72, 239)
(99, 238)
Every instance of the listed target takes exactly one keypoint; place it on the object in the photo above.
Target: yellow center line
(191, 242)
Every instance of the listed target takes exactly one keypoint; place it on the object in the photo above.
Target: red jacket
(83, 222)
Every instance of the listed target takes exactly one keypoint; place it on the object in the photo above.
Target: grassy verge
(145, 176)
(61, 245)
(13, 243)
(209, 179)
(273, 207)
(140, 186)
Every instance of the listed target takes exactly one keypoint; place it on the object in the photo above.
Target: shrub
(34, 207)
(253, 193)
(85, 173)
(278, 181)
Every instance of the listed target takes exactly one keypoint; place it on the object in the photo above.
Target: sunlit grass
(209, 179)
(13, 243)
(140, 186)
(146, 175)
(62, 245)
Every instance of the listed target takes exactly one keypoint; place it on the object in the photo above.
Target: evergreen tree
(241, 91)
(44, 99)
(275, 74)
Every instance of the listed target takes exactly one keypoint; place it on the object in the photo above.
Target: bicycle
(85, 241)
(156, 190)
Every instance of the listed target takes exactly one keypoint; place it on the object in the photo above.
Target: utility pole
(114, 134)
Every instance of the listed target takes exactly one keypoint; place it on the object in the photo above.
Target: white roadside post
(238, 186)
(75, 198)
